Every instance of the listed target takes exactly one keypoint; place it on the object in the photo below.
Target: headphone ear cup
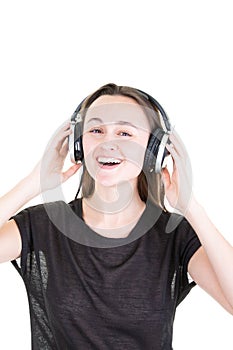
(155, 152)
(78, 144)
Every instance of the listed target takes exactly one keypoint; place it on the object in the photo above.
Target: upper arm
(10, 241)
(202, 273)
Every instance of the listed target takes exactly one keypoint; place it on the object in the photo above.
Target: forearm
(218, 250)
(12, 201)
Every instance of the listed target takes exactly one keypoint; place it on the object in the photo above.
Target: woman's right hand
(48, 173)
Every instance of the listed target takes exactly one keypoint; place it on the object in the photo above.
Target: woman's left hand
(178, 184)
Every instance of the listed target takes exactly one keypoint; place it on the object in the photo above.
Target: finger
(178, 143)
(172, 150)
(66, 125)
(180, 158)
(58, 138)
(62, 137)
(166, 178)
(65, 148)
(71, 171)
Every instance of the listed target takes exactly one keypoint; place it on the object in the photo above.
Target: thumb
(71, 171)
(166, 178)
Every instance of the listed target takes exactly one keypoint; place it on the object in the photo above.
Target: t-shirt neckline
(147, 219)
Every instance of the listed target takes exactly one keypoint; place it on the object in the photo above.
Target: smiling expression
(115, 136)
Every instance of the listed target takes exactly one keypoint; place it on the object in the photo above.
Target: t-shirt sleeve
(23, 221)
(37, 227)
(188, 243)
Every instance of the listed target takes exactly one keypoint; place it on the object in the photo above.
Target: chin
(113, 181)
(109, 178)
(107, 182)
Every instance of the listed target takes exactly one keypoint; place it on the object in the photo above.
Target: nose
(109, 146)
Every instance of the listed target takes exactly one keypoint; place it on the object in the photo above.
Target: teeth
(108, 160)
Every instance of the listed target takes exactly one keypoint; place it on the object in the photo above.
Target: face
(115, 137)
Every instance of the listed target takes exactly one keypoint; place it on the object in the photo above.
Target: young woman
(108, 270)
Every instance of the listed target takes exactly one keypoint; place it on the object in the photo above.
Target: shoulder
(167, 222)
(177, 232)
(42, 214)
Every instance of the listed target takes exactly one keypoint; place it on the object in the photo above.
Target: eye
(125, 133)
(96, 131)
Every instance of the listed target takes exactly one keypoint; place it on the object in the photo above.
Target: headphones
(156, 151)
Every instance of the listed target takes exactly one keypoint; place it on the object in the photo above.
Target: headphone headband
(148, 97)
(159, 108)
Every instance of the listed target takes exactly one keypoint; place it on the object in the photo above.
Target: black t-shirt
(90, 292)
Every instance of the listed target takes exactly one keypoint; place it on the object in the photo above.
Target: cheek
(135, 152)
(88, 149)
(88, 145)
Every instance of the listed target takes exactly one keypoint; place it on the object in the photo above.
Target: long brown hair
(150, 186)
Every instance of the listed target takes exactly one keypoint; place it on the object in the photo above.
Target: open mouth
(107, 162)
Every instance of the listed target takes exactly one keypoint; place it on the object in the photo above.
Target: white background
(54, 53)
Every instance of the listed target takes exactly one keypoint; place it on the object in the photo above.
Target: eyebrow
(120, 122)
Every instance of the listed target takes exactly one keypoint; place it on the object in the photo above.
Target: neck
(113, 207)
(113, 199)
